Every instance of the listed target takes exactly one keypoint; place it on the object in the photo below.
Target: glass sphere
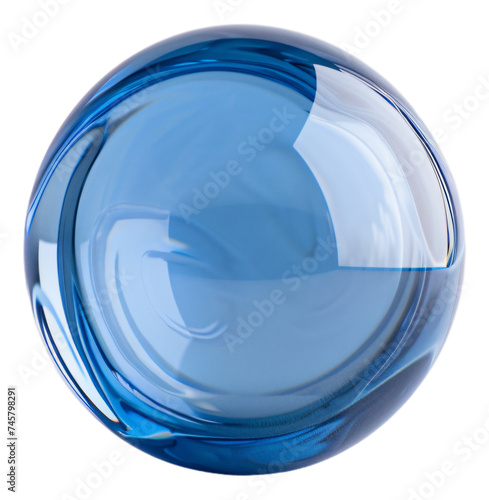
(244, 250)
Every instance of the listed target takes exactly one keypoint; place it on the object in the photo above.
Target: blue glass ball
(244, 250)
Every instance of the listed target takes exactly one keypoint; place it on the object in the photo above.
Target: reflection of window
(378, 180)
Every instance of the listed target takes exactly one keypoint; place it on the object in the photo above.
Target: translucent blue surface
(244, 250)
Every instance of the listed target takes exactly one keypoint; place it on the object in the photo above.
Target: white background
(436, 53)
